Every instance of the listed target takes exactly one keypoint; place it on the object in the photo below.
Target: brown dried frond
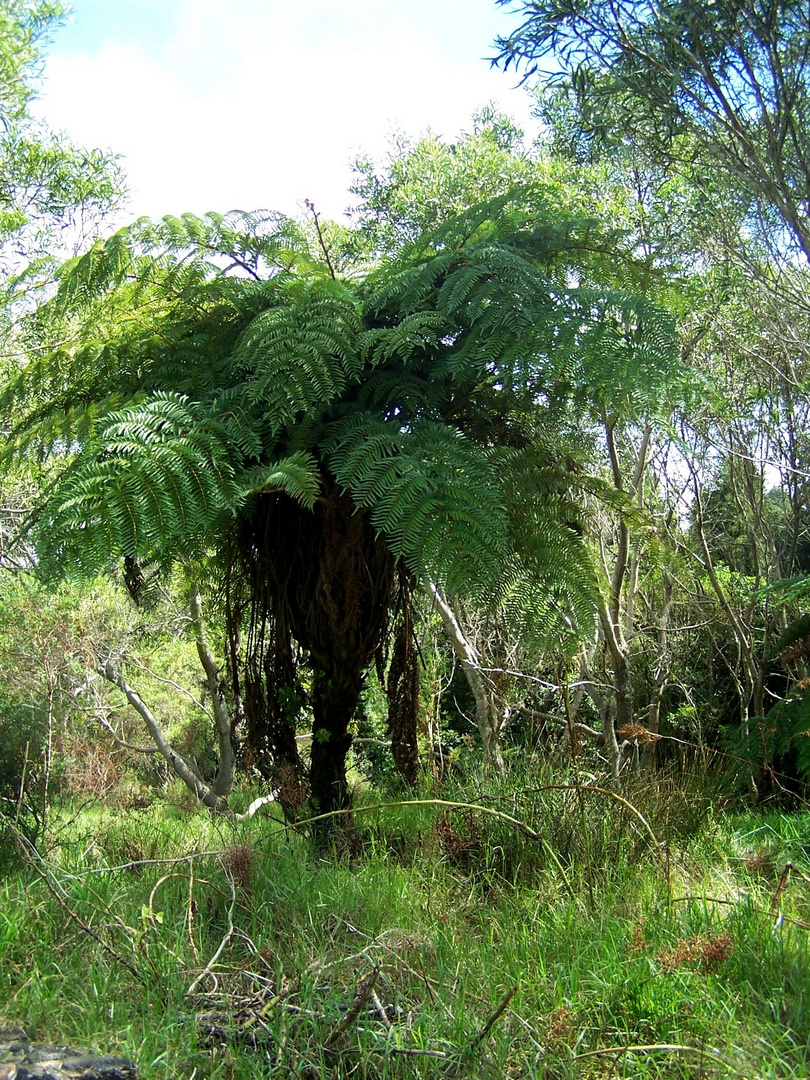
(760, 862)
(637, 942)
(457, 847)
(715, 952)
(238, 861)
(560, 1029)
(293, 791)
(799, 650)
(637, 733)
(706, 955)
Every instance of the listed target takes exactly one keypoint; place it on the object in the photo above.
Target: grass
(612, 946)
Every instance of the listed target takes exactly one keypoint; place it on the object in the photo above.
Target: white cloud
(252, 106)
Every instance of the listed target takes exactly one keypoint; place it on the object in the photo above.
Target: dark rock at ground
(21, 1059)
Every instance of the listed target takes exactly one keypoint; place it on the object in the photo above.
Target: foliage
(423, 183)
(53, 194)
(732, 78)
(23, 28)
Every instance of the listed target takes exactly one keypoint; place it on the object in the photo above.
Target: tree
(323, 443)
(52, 194)
(53, 197)
(424, 182)
(730, 79)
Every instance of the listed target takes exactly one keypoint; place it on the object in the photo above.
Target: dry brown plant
(238, 861)
(704, 954)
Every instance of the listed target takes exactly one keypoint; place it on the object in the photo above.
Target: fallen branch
(550, 718)
(520, 825)
(493, 1020)
(650, 1048)
(362, 996)
(208, 969)
(25, 854)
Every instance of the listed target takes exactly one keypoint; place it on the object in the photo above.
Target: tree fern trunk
(334, 702)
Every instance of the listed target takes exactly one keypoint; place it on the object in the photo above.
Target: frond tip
(155, 476)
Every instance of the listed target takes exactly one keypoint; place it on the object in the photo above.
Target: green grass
(612, 946)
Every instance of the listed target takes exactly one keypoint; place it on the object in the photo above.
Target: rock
(20, 1059)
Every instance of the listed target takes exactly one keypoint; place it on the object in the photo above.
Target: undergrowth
(554, 931)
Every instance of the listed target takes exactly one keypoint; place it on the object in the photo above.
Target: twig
(732, 903)
(22, 847)
(493, 1020)
(520, 825)
(378, 1005)
(404, 1052)
(105, 723)
(148, 862)
(325, 248)
(650, 1048)
(190, 905)
(780, 888)
(22, 787)
(207, 970)
(362, 995)
(169, 682)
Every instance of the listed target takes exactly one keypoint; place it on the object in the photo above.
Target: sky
(248, 104)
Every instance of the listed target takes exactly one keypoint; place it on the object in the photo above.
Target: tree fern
(300, 354)
(214, 390)
(154, 477)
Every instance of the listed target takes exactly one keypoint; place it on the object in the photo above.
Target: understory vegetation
(550, 930)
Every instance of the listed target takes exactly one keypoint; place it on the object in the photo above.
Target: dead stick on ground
(190, 909)
(362, 996)
(208, 969)
(26, 856)
(493, 1020)
(378, 1005)
(780, 888)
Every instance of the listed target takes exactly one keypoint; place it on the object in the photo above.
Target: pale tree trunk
(214, 795)
(186, 770)
(227, 759)
(622, 713)
(617, 611)
(748, 674)
(660, 676)
(485, 714)
(46, 779)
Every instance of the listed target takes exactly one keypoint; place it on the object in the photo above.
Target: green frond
(413, 336)
(297, 475)
(431, 492)
(407, 290)
(258, 241)
(549, 587)
(108, 262)
(300, 354)
(156, 477)
(50, 431)
(628, 354)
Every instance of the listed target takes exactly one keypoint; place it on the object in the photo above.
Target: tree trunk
(227, 758)
(485, 715)
(321, 584)
(334, 701)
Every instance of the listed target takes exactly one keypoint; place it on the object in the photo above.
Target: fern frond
(156, 477)
(301, 354)
(431, 492)
(297, 475)
(412, 336)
